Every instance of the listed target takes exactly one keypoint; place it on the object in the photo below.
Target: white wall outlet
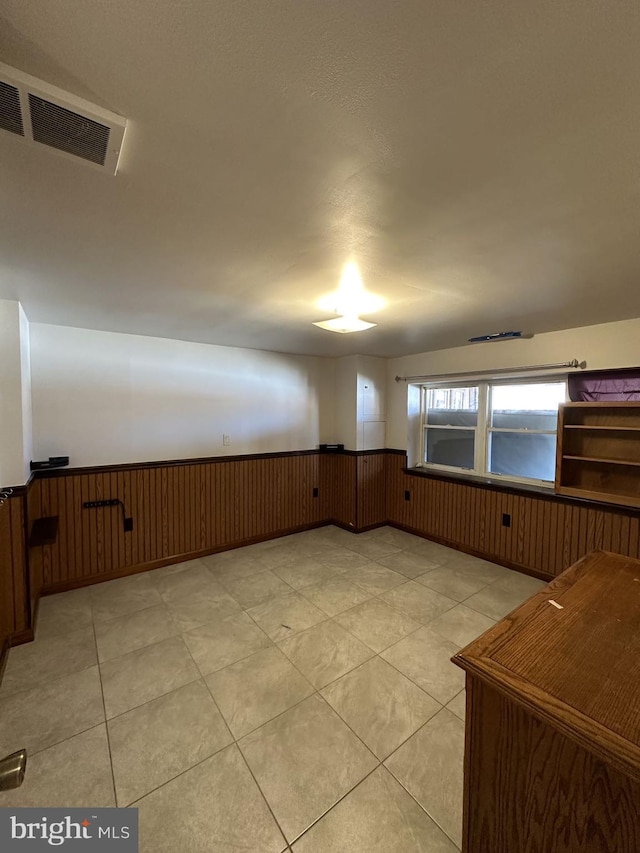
(226, 440)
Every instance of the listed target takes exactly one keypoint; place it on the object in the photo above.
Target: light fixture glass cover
(343, 325)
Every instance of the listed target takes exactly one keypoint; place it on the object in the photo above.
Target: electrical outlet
(506, 519)
(128, 525)
(407, 495)
(315, 491)
(226, 440)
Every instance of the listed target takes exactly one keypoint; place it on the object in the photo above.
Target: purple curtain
(605, 386)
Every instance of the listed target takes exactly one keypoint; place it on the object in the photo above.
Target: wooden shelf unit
(598, 453)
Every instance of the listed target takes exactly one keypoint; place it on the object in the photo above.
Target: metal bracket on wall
(128, 522)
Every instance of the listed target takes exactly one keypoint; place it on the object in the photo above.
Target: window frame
(483, 428)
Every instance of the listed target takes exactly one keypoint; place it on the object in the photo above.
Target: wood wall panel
(339, 487)
(181, 510)
(546, 536)
(36, 556)
(15, 609)
(178, 510)
(371, 490)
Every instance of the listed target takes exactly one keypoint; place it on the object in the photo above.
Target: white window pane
(454, 447)
(527, 406)
(520, 455)
(452, 406)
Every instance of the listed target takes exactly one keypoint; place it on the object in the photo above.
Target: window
(496, 429)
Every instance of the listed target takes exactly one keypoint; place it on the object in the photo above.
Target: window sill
(484, 482)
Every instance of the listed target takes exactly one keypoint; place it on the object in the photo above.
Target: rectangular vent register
(42, 114)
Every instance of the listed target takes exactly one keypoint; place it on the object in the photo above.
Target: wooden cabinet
(598, 452)
(552, 753)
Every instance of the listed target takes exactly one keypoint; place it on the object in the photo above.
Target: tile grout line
(197, 763)
(379, 762)
(262, 794)
(273, 644)
(329, 617)
(266, 722)
(41, 683)
(337, 802)
(424, 809)
(203, 679)
(339, 573)
(106, 724)
(235, 743)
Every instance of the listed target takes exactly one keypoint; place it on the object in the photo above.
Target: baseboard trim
(491, 558)
(138, 568)
(4, 650)
(353, 529)
(368, 527)
(22, 637)
(341, 524)
(90, 580)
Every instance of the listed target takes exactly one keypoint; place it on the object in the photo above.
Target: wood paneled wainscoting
(184, 509)
(15, 613)
(180, 510)
(547, 533)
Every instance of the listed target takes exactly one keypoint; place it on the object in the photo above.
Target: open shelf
(602, 426)
(601, 460)
(598, 456)
(601, 497)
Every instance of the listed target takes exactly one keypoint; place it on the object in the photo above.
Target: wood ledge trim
(519, 489)
(204, 460)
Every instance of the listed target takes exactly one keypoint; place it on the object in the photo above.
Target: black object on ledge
(331, 448)
(52, 462)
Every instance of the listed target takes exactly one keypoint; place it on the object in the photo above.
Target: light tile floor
(292, 695)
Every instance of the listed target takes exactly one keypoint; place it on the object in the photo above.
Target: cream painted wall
(107, 398)
(608, 345)
(346, 401)
(27, 407)
(371, 403)
(15, 395)
(360, 396)
(327, 397)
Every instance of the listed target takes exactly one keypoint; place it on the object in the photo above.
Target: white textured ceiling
(480, 161)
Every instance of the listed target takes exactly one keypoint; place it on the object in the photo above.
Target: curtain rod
(528, 369)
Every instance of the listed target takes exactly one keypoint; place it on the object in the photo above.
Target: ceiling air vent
(10, 113)
(44, 115)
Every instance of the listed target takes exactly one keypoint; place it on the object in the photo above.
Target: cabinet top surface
(572, 652)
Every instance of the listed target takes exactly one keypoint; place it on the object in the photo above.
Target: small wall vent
(10, 113)
(45, 115)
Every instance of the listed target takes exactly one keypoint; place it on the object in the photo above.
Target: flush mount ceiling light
(345, 324)
(349, 300)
